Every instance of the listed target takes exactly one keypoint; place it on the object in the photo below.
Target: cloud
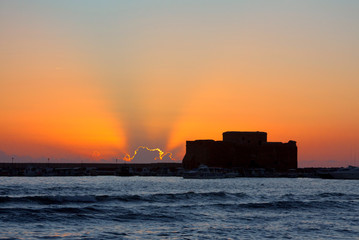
(149, 155)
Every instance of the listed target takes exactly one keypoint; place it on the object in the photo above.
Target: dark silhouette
(241, 150)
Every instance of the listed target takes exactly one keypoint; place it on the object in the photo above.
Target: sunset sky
(94, 80)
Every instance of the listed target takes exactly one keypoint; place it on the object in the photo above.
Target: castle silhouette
(241, 150)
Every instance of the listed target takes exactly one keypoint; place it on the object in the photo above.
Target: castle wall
(280, 156)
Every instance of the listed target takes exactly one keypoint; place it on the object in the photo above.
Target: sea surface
(110, 207)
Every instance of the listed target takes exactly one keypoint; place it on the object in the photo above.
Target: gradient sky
(92, 80)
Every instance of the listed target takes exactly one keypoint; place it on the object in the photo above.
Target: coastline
(140, 169)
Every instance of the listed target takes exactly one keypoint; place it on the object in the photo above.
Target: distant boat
(204, 172)
(343, 173)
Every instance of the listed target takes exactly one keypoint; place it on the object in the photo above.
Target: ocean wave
(285, 201)
(50, 214)
(336, 194)
(73, 214)
(180, 212)
(321, 196)
(287, 205)
(48, 199)
(157, 197)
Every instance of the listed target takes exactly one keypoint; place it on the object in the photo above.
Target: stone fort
(241, 150)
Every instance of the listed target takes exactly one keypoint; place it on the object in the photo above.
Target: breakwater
(89, 169)
(136, 169)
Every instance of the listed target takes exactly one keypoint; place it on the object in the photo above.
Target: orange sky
(97, 80)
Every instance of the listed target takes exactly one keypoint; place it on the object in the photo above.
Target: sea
(112, 207)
